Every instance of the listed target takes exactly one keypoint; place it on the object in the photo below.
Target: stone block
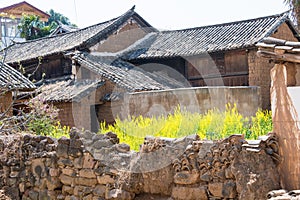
(71, 198)
(86, 181)
(88, 197)
(87, 173)
(88, 161)
(123, 148)
(33, 195)
(67, 189)
(78, 162)
(186, 178)
(53, 172)
(105, 179)
(43, 195)
(64, 162)
(68, 171)
(229, 190)
(187, 193)
(38, 168)
(119, 194)
(66, 180)
(62, 150)
(22, 187)
(216, 189)
(99, 190)
(53, 183)
(74, 152)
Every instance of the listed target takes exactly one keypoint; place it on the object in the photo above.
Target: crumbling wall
(97, 166)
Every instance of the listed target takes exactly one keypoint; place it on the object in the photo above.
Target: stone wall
(91, 166)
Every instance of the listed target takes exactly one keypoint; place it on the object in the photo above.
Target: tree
(295, 7)
(57, 17)
(32, 28)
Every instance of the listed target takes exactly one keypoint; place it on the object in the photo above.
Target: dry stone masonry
(93, 166)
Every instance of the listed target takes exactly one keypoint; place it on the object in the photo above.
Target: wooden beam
(288, 57)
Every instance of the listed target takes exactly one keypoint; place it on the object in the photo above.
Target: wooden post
(286, 126)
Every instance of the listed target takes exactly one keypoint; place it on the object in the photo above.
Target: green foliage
(32, 28)
(214, 124)
(56, 18)
(261, 124)
(42, 120)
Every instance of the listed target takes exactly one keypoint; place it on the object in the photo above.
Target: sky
(162, 14)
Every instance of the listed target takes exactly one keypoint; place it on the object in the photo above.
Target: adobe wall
(65, 114)
(197, 99)
(129, 33)
(259, 67)
(91, 166)
(91, 107)
(5, 102)
(259, 75)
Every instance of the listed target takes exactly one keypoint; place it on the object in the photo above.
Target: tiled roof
(67, 90)
(207, 39)
(126, 75)
(63, 28)
(273, 44)
(80, 39)
(12, 79)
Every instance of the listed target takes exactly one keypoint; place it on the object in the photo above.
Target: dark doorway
(94, 118)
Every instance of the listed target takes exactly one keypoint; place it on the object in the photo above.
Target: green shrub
(42, 120)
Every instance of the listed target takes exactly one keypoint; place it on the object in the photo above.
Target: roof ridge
(81, 29)
(283, 17)
(117, 22)
(230, 23)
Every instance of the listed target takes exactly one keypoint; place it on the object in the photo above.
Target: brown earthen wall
(259, 68)
(65, 115)
(198, 99)
(123, 38)
(80, 114)
(6, 102)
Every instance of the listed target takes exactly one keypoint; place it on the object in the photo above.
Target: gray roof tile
(207, 39)
(126, 75)
(80, 39)
(12, 79)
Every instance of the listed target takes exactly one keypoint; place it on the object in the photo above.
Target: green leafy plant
(43, 120)
(261, 124)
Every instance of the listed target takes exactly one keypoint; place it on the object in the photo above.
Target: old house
(45, 58)
(10, 18)
(11, 82)
(216, 55)
(93, 94)
(85, 71)
(47, 62)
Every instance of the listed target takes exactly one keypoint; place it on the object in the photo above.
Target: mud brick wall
(6, 102)
(94, 166)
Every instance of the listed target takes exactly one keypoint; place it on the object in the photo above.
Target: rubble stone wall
(93, 166)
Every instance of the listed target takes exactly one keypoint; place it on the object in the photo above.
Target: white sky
(162, 14)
